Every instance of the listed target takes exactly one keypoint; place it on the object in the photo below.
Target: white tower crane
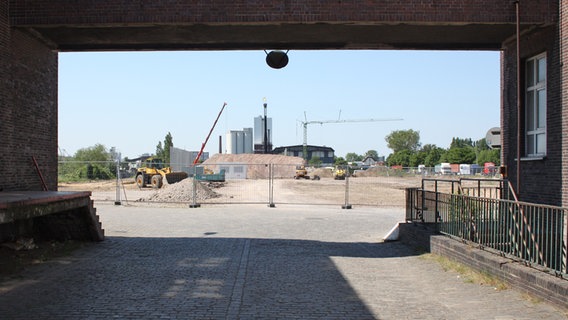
(306, 122)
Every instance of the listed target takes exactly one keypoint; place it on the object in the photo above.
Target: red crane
(207, 139)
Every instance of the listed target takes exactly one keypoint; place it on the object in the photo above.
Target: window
(318, 154)
(535, 114)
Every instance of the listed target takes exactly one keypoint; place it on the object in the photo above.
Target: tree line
(99, 163)
(409, 152)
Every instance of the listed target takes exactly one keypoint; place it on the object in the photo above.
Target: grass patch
(468, 274)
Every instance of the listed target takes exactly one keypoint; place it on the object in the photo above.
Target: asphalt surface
(254, 262)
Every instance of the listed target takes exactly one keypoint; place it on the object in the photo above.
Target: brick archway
(33, 32)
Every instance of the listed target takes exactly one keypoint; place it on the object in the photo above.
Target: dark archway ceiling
(275, 36)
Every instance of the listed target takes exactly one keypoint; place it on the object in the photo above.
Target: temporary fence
(494, 220)
(230, 183)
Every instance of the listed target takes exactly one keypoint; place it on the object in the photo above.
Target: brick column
(28, 118)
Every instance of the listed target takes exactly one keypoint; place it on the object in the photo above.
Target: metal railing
(536, 234)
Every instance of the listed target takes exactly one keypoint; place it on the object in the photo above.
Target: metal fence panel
(244, 183)
(534, 233)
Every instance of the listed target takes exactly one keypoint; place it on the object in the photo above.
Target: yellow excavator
(301, 173)
(339, 173)
(152, 172)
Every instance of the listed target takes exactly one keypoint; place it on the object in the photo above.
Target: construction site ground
(372, 191)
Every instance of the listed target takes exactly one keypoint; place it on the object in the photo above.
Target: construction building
(180, 159)
(326, 154)
(239, 141)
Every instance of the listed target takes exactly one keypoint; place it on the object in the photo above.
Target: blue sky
(131, 100)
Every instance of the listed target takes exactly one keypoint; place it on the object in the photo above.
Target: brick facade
(4, 52)
(28, 92)
(548, 171)
(86, 25)
(33, 12)
(542, 181)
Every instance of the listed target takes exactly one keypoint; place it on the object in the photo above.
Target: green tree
(351, 156)
(160, 150)
(315, 161)
(372, 153)
(485, 154)
(461, 143)
(401, 158)
(417, 158)
(480, 145)
(461, 151)
(92, 163)
(459, 155)
(399, 140)
(433, 156)
(168, 144)
(163, 150)
(339, 161)
(489, 155)
(98, 152)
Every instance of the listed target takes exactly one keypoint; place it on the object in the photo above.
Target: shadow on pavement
(197, 278)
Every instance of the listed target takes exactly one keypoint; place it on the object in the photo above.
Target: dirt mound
(321, 172)
(379, 172)
(183, 191)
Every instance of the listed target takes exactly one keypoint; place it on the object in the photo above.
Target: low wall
(523, 278)
(45, 215)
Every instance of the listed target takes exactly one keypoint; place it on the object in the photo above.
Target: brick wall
(29, 111)
(4, 78)
(4, 41)
(258, 11)
(541, 180)
(563, 52)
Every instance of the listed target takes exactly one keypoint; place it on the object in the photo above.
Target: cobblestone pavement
(253, 262)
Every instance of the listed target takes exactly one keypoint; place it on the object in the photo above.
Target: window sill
(535, 158)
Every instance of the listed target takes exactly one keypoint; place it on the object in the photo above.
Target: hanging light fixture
(277, 59)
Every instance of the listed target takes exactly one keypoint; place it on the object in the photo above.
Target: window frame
(535, 108)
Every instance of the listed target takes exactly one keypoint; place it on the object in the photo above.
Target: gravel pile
(183, 192)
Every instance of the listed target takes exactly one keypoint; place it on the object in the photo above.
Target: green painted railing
(534, 233)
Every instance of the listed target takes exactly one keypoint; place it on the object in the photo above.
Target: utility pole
(265, 127)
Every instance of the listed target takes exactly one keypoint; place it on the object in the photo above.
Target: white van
(445, 168)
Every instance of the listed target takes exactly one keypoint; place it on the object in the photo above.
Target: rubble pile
(182, 192)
